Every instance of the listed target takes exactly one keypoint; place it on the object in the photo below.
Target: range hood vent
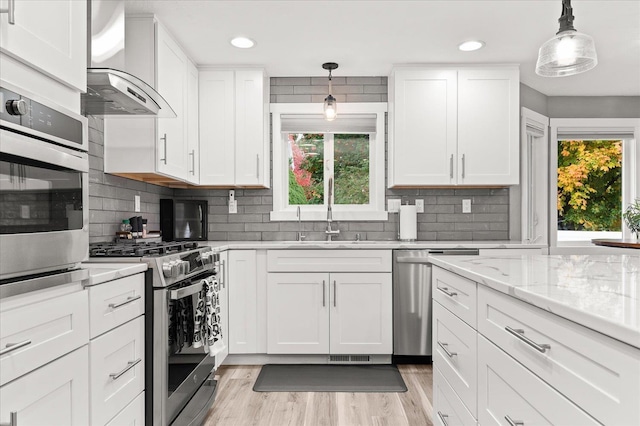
(110, 89)
(113, 92)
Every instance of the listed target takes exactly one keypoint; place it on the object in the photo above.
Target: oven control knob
(166, 269)
(16, 107)
(186, 267)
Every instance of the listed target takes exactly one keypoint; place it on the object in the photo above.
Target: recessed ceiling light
(243, 42)
(471, 45)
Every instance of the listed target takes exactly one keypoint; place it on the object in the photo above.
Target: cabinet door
(191, 124)
(361, 320)
(223, 278)
(172, 85)
(423, 141)
(488, 123)
(297, 313)
(56, 394)
(50, 35)
(243, 319)
(250, 130)
(217, 128)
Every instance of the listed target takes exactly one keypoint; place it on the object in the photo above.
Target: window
(594, 176)
(313, 158)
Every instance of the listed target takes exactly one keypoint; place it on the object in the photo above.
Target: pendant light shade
(569, 52)
(330, 104)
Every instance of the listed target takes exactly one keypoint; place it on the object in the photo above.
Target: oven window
(38, 197)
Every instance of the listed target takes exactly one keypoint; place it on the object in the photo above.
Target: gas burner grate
(139, 249)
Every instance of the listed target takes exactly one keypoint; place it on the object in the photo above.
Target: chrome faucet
(300, 237)
(330, 232)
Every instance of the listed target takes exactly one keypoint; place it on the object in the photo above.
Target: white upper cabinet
(49, 35)
(453, 126)
(234, 129)
(160, 150)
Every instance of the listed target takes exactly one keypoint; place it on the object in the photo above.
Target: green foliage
(296, 192)
(632, 216)
(590, 185)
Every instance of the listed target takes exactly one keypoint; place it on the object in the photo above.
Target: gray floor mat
(329, 378)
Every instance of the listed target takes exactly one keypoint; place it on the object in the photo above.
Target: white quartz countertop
(601, 292)
(102, 272)
(257, 245)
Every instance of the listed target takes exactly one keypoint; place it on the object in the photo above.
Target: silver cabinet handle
(13, 419)
(335, 293)
(513, 422)
(451, 167)
(443, 346)
(324, 291)
(258, 166)
(193, 162)
(446, 291)
(442, 418)
(10, 347)
(164, 139)
(519, 333)
(223, 283)
(129, 300)
(130, 365)
(11, 18)
(463, 166)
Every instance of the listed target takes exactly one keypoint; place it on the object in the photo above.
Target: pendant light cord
(566, 19)
(330, 82)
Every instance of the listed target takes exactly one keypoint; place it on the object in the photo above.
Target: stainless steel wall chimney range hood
(110, 89)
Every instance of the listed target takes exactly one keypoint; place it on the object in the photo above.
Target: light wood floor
(238, 405)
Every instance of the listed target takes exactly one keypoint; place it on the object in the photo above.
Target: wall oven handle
(10, 347)
(129, 300)
(185, 291)
(130, 365)
(11, 18)
(13, 419)
(519, 333)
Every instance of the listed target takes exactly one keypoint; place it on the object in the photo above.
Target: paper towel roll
(408, 223)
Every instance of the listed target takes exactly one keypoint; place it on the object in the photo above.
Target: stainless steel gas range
(179, 372)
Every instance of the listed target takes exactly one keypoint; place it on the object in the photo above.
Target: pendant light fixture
(569, 52)
(330, 106)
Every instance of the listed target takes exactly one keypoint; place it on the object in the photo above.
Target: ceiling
(366, 38)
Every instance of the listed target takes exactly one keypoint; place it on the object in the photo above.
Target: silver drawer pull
(10, 10)
(449, 354)
(446, 291)
(10, 347)
(129, 300)
(130, 365)
(519, 333)
(513, 422)
(13, 419)
(443, 418)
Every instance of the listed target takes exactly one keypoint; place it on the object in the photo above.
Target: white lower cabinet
(243, 301)
(132, 415)
(336, 313)
(450, 409)
(55, 394)
(511, 394)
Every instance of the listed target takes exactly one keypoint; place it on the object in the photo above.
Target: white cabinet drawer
(448, 409)
(598, 373)
(115, 379)
(115, 302)
(52, 327)
(507, 389)
(329, 260)
(131, 415)
(455, 293)
(54, 395)
(459, 365)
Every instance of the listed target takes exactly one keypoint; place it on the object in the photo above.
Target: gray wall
(111, 197)
(442, 220)
(534, 100)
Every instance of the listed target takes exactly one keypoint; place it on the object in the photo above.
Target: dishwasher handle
(443, 252)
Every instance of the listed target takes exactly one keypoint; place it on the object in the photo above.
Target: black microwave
(182, 220)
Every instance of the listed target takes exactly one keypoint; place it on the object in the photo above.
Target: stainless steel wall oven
(44, 188)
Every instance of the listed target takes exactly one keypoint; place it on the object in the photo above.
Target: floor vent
(344, 359)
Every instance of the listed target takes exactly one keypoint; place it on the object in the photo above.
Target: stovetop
(127, 249)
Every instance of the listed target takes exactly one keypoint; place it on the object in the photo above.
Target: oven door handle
(185, 291)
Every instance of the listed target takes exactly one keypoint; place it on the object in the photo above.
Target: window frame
(630, 162)
(374, 211)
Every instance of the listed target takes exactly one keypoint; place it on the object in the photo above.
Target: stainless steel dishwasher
(412, 304)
